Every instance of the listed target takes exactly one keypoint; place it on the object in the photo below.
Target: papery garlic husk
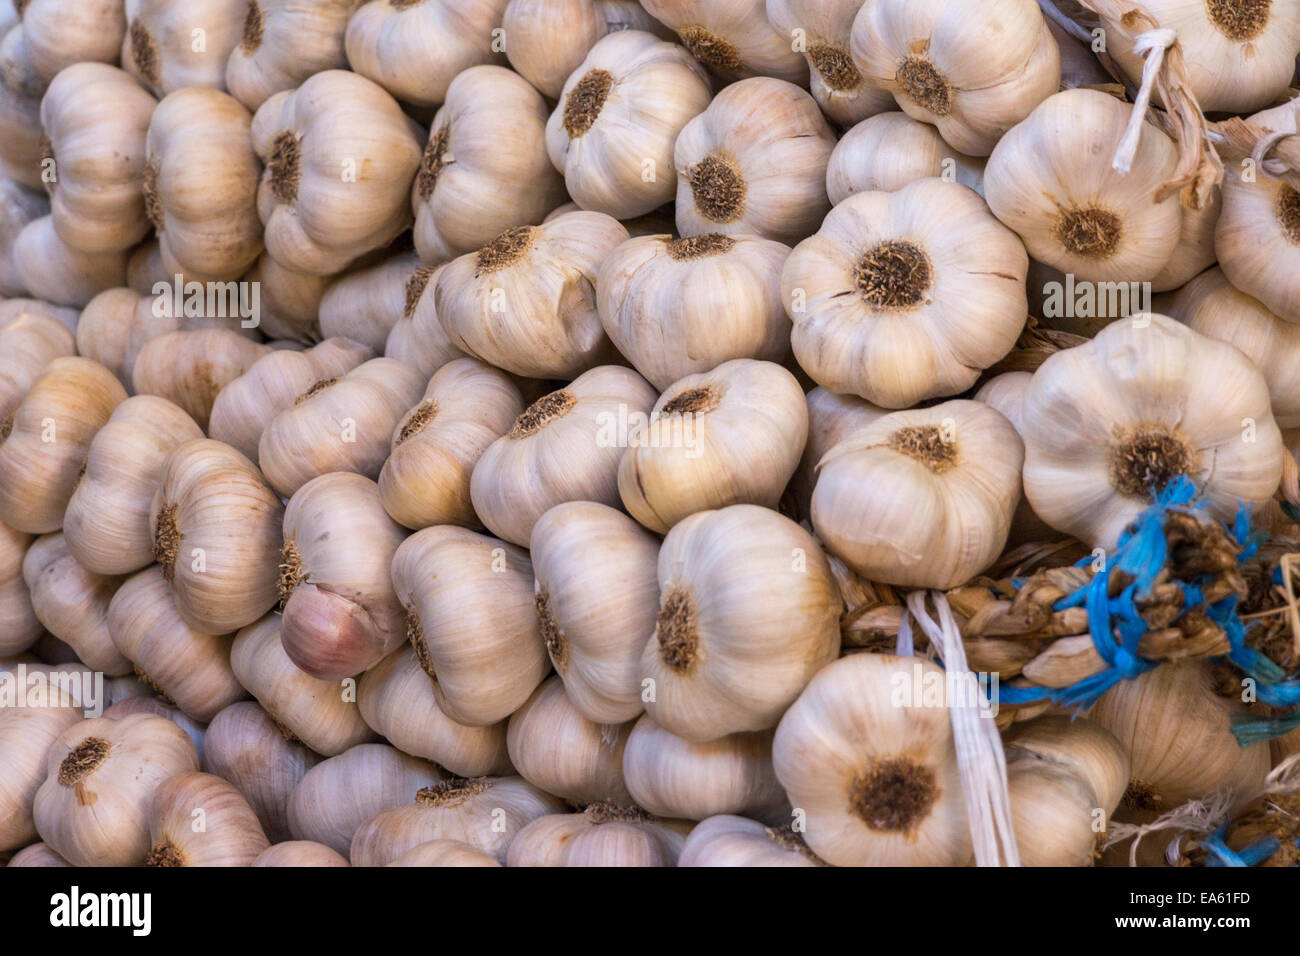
(732, 37)
(729, 436)
(1006, 394)
(604, 834)
(337, 795)
(101, 774)
(727, 840)
(161, 50)
(322, 714)
(201, 185)
(11, 310)
(28, 344)
(597, 595)
(43, 444)
(417, 337)
(216, 533)
(104, 331)
(20, 112)
(1079, 65)
(340, 423)
(436, 445)
(619, 114)
(299, 853)
(398, 700)
(54, 271)
(1195, 250)
(565, 447)
(526, 301)
(366, 303)
(230, 835)
(875, 772)
(18, 207)
(1051, 180)
(906, 296)
(246, 746)
(831, 419)
(60, 33)
(748, 612)
(145, 269)
(288, 301)
(95, 118)
(245, 406)
(922, 498)
(753, 163)
(72, 602)
(107, 519)
(469, 189)
(19, 625)
(125, 706)
(886, 152)
(1110, 422)
(672, 777)
(26, 733)
(558, 749)
(38, 854)
(340, 155)
(476, 632)
(340, 615)
(486, 812)
(973, 84)
(444, 853)
(285, 42)
(675, 307)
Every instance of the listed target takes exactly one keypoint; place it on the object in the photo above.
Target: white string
(1152, 44)
(905, 646)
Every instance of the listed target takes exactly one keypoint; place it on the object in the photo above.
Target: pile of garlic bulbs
(617, 433)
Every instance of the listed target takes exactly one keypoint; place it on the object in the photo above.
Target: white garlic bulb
(604, 834)
(727, 840)
(887, 151)
(732, 37)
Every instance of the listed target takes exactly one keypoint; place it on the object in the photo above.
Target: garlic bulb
(469, 189)
(54, 271)
(189, 667)
(322, 714)
(341, 423)
(284, 43)
(340, 156)
(11, 310)
(675, 307)
(604, 834)
(38, 854)
(1006, 393)
(557, 749)
(26, 733)
(729, 436)
(299, 853)
(754, 162)
(19, 625)
(1195, 250)
(339, 794)
(60, 33)
(486, 812)
(101, 774)
(145, 268)
(736, 841)
(339, 613)
(526, 301)
(565, 447)
(288, 301)
(476, 633)
(921, 498)
(597, 595)
(905, 296)
(18, 207)
(748, 612)
(125, 706)
(247, 747)
(28, 344)
(443, 853)
(366, 303)
(437, 444)
(417, 337)
(877, 782)
(73, 602)
(973, 84)
(216, 535)
(230, 834)
(672, 777)
(1110, 422)
(169, 47)
(831, 419)
(732, 37)
(43, 444)
(619, 114)
(886, 152)
(20, 112)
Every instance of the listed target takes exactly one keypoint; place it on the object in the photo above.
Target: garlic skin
(26, 733)
(320, 713)
(831, 419)
(604, 834)
(417, 337)
(366, 303)
(672, 777)
(339, 614)
(748, 612)
(906, 296)
(11, 310)
(597, 595)
(289, 302)
(733, 38)
(55, 272)
(125, 706)
(284, 42)
(298, 853)
(476, 633)
(28, 344)
(675, 307)
(101, 775)
(38, 854)
(18, 207)
(59, 34)
(526, 301)
(727, 840)
(1195, 250)
(468, 189)
(73, 602)
(43, 444)
(887, 151)
(248, 748)
(144, 269)
(190, 368)
(216, 533)
(161, 50)
(729, 436)
(337, 795)
(107, 519)
(557, 749)
(618, 116)
(487, 813)
(444, 853)
(317, 219)
(398, 700)
(1006, 394)
(565, 447)
(1108, 422)
(19, 625)
(878, 782)
(338, 424)
(437, 444)
(20, 113)
(231, 835)
(754, 162)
